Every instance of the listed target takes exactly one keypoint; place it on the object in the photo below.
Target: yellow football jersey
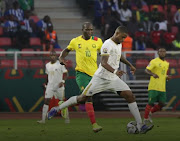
(160, 68)
(86, 53)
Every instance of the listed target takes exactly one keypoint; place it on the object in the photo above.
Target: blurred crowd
(151, 23)
(19, 23)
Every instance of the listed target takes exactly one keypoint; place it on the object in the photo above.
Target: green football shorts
(156, 96)
(82, 80)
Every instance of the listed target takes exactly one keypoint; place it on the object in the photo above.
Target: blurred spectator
(2, 7)
(10, 26)
(16, 11)
(132, 26)
(127, 46)
(154, 14)
(140, 43)
(42, 25)
(26, 22)
(162, 23)
(177, 18)
(176, 43)
(22, 37)
(155, 37)
(26, 4)
(110, 23)
(100, 9)
(147, 24)
(169, 15)
(125, 14)
(140, 32)
(168, 37)
(50, 39)
(114, 6)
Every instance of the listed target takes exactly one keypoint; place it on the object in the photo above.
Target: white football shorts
(58, 94)
(97, 85)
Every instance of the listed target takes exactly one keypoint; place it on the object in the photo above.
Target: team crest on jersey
(93, 45)
(105, 50)
(79, 45)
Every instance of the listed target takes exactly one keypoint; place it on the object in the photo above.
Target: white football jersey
(55, 74)
(113, 50)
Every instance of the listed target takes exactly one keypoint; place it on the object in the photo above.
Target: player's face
(87, 31)
(162, 53)
(121, 37)
(53, 57)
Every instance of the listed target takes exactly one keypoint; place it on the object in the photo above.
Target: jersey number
(88, 53)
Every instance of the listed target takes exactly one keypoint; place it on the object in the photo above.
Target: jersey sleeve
(64, 70)
(71, 45)
(105, 49)
(100, 43)
(151, 65)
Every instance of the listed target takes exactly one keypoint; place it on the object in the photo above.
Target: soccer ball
(132, 127)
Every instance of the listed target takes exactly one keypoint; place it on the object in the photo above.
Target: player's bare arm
(104, 60)
(65, 75)
(125, 61)
(62, 56)
(151, 74)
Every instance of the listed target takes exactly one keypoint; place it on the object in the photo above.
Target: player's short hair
(52, 51)
(161, 48)
(122, 29)
(86, 23)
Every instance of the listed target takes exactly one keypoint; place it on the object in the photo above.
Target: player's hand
(61, 84)
(133, 69)
(119, 73)
(44, 85)
(155, 76)
(168, 77)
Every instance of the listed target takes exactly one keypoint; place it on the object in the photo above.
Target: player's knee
(81, 99)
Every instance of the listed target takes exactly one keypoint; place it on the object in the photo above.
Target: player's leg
(95, 86)
(61, 96)
(83, 80)
(71, 101)
(123, 90)
(128, 95)
(152, 98)
(162, 99)
(48, 96)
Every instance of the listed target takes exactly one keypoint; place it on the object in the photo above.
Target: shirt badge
(105, 50)
(93, 45)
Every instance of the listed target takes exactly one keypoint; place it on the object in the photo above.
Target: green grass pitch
(114, 129)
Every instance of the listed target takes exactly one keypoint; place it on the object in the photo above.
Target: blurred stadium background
(24, 47)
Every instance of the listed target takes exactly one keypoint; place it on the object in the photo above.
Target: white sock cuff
(133, 104)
